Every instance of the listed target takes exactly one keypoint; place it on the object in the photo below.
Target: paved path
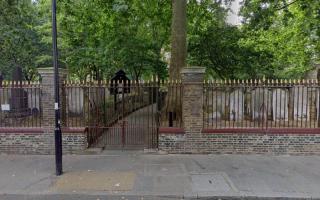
(135, 175)
(139, 132)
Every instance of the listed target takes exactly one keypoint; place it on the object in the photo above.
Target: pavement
(138, 175)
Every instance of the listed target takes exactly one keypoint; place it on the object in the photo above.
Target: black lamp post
(57, 130)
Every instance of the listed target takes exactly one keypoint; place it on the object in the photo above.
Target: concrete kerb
(138, 197)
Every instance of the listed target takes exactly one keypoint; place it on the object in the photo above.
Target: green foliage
(278, 39)
(19, 42)
(214, 44)
(99, 37)
(286, 30)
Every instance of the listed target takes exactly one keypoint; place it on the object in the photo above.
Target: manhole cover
(213, 182)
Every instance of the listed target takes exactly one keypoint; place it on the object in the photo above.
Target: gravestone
(213, 117)
(34, 101)
(300, 103)
(236, 105)
(314, 73)
(313, 103)
(1, 95)
(75, 101)
(318, 105)
(216, 101)
(260, 104)
(19, 98)
(280, 101)
(1, 79)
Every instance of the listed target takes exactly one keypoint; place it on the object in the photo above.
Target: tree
(100, 37)
(178, 38)
(19, 41)
(215, 44)
(287, 30)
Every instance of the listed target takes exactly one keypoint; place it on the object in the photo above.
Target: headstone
(19, 98)
(280, 108)
(313, 103)
(313, 73)
(214, 117)
(34, 100)
(1, 79)
(236, 105)
(75, 101)
(313, 93)
(260, 104)
(318, 105)
(1, 90)
(300, 103)
(216, 105)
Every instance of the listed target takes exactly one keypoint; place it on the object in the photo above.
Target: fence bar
(261, 104)
(20, 104)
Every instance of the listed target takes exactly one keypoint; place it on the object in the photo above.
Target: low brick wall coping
(74, 130)
(21, 130)
(171, 130)
(263, 131)
(40, 130)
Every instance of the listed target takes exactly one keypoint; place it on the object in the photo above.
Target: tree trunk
(173, 108)
(178, 38)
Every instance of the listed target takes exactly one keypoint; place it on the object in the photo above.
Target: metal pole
(57, 130)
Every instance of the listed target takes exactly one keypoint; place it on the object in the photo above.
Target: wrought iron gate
(117, 115)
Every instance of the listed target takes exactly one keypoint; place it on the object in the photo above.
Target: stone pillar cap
(50, 70)
(193, 70)
(193, 74)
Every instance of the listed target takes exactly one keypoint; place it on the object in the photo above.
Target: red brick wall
(38, 141)
(241, 143)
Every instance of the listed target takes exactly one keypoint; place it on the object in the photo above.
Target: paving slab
(212, 182)
(136, 175)
(95, 181)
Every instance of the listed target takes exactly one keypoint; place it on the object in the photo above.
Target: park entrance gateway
(118, 114)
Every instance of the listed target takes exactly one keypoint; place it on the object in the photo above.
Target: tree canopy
(19, 41)
(287, 31)
(277, 39)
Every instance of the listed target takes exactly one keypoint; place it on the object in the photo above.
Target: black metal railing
(20, 104)
(105, 105)
(84, 101)
(262, 104)
(170, 104)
